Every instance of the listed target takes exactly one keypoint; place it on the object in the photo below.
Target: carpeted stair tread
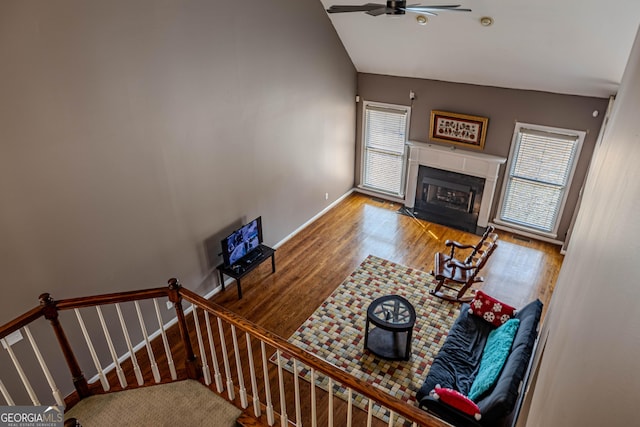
(185, 402)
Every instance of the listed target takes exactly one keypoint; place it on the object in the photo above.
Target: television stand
(243, 267)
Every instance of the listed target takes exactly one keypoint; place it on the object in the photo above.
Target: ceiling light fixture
(422, 20)
(486, 21)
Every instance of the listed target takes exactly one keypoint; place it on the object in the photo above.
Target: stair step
(246, 420)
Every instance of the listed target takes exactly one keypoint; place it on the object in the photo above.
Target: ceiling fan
(397, 7)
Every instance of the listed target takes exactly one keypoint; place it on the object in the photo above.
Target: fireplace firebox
(449, 198)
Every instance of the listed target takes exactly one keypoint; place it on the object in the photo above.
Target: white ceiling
(565, 46)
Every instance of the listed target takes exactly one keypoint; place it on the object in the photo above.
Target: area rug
(335, 331)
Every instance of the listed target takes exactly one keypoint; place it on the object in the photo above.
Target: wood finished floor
(316, 260)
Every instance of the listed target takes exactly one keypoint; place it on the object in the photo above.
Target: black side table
(242, 268)
(393, 317)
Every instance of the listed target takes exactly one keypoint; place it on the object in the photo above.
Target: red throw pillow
(457, 400)
(490, 309)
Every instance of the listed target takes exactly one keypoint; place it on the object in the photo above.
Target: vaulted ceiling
(565, 46)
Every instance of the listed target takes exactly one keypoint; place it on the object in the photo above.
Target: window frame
(580, 136)
(364, 148)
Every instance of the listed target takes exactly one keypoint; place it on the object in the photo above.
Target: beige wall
(502, 106)
(134, 130)
(589, 371)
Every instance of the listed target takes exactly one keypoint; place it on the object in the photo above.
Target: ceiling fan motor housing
(396, 7)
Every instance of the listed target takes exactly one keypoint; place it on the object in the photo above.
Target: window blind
(384, 148)
(539, 175)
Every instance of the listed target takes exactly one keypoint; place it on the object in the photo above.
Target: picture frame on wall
(458, 129)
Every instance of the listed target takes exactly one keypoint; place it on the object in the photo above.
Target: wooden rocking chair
(460, 275)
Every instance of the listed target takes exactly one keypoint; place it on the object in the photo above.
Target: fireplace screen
(448, 198)
(448, 195)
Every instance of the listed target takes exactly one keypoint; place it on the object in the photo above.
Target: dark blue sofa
(456, 365)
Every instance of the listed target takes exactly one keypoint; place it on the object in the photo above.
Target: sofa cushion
(494, 357)
(456, 363)
(501, 399)
(491, 309)
(457, 400)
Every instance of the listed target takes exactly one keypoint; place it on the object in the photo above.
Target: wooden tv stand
(240, 269)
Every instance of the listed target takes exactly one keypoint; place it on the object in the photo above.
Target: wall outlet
(412, 95)
(169, 305)
(11, 339)
(326, 196)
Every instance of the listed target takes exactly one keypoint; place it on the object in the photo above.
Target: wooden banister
(20, 321)
(118, 297)
(396, 405)
(50, 308)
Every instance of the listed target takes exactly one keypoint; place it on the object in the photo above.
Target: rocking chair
(460, 275)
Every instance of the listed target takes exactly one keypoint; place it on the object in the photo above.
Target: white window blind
(385, 136)
(541, 167)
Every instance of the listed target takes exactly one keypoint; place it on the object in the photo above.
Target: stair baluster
(214, 357)
(103, 379)
(203, 354)
(145, 335)
(6, 395)
(252, 371)
(23, 377)
(267, 387)
(225, 359)
(127, 338)
(243, 391)
(165, 342)
(45, 369)
(112, 349)
(296, 388)
(283, 403)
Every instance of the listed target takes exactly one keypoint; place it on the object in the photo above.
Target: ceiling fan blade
(363, 8)
(450, 6)
(379, 11)
(436, 8)
(458, 10)
(421, 11)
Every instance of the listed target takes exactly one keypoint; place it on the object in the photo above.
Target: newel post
(191, 362)
(50, 312)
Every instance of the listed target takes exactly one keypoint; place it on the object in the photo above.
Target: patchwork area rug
(335, 331)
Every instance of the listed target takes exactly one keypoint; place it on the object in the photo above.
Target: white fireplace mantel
(455, 160)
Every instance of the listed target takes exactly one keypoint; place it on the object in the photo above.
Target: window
(541, 164)
(384, 147)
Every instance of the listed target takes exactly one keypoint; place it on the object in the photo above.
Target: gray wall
(502, 106)
(588, 374)
(134, 131)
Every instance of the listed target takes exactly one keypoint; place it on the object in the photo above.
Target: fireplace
(449, 198)
(462, 189)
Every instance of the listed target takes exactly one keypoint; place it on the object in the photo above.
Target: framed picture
(459, 129)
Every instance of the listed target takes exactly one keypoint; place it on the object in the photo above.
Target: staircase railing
(239, 360)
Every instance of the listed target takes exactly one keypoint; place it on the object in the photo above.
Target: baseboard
(514, 230)
(310, 221)
(214, 291)
(384, 196)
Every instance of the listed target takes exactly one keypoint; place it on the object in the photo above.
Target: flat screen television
(239, 244)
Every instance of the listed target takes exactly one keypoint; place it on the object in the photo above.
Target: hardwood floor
(316, 260)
